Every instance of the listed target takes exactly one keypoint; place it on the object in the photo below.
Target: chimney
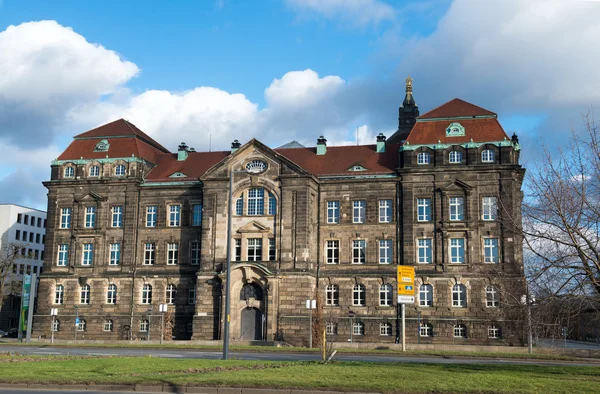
(235, 145)
(380, 143)
(321, 145)
(182, 152)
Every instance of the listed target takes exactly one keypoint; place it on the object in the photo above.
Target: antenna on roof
(356, 135)
(210, 142)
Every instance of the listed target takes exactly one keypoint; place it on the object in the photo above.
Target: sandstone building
(132, 225)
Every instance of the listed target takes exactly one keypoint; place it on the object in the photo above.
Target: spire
(408, 98)
(407, 115)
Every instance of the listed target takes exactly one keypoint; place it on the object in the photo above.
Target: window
(457, 250)
(120, 170)
(31, 238)
(358, 212)
(385, 329)
(37, 238)
(333, 212)
(358, 251)
(385, 211)
(55, 325)
(88, 254)
(69, 172)
(172, 253)
(492, 297)
(424, 251)
(196, 215)
(460, 331)
(94, 171)
(487, 156)
(39, 222)
(489, 208)
(84, 297)
(18, 235)
(237, 250)
(174, 215)
(90, 217)
(455, 157)
(151, 213)
(81, 325)
(490, 250)
(111, 294)
(456, 208)
(358, 295)
(424, 209)
(426, 330)
(117, 216)
(108, 325)
(358, 328)
(63, 255)
(385, 251)
(272, 204)
(459, 295)
(256, 201)
(195, 253)
(333, 251)
(332, 295)
(385, 295)
(115, 254)
(25, 236)
(149, 253)
(192, 294)
(423, 158)
(426, 295)
(59, 294)
(19, 217)
(65, 217)
(147, 294)
(272, 250)
(331, 329)
(494, 332)
(144, 325)
(254, 249)
(239, 205)
(171, 294)
(26, 219)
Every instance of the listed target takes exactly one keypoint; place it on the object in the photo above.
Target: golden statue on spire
(409, 84)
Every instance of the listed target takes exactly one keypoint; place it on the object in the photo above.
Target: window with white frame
(331, 329)
(172, 253)
(256, 203)
(108, 325)
(385, 329)
(272, 250)
(423, 158)
(192, 294)
(425, 295)
(457, 208)
(333, 212)
(359, 247)
(272, 204)
(120, 170)
(174, 215)
(460, 331)
(117, 216)
(426, 330)
(171, 294)
(84, 295)
(196, 215)
(237, 249)
(358, 295)
(59, 294)
(254, 249)
(489, 208)
(358, 328)
(81, 325)
(144, 325)
(358, 211)
(455, 157)
(94, 171)
(385, 295)
(424, 251)
(424, 209)
(332, 295)
(385, 251)
(149, 253)
(111, 294)
(69, 172)
(65, 217)
(87, 258)
(147, 294)
(55, 325)
(459, 295)
(151, 214)
(90, 217)
(494, 332)
(239, 205)
(385, 211)
(63, 255)
(487, 156)
(457, 250)
(115, 254)
(492, 297)
(490, 250)
(195, 253)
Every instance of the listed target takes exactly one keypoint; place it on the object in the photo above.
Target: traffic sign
(406, 284)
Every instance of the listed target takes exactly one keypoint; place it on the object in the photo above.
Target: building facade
(23, 228)
(132, 225)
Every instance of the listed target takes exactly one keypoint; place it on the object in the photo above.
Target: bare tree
(8, 256)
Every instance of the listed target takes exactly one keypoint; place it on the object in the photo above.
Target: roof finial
(409, 84)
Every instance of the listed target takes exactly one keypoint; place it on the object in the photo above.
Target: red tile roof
(476, 130)
(456, 108)
(119, 148)
(120, 128)
(193, 167)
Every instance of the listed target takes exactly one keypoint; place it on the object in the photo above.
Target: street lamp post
(76, 320)
(53, 312)
(526, 299)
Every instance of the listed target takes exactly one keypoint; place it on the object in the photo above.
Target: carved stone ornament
(102, 146)
(455, 130)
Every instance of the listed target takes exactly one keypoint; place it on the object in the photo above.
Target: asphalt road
(265, 356)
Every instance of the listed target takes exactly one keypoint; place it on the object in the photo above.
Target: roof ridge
(459, 101)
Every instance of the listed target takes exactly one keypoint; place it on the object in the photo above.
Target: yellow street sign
(406, 284)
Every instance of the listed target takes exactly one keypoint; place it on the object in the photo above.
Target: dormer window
(423, 158)
(357, 168)
(69, 172)
(95, 171)
(102, 146)
(120, 170)
(178, 175)
(487, 156)
(455, 157)
(455, 130)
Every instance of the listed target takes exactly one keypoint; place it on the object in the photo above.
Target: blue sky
(282, 70)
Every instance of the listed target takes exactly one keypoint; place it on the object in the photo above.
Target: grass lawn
(407, 378)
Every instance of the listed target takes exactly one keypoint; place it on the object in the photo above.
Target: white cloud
(356, 12)
(302, 88)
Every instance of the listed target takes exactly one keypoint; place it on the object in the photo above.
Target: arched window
(358, 328)
(69, 172)
(460, 331)
(59, 294)
(147, 294)
(111, 294)
(192, 294)
(81, 325)
(358, 295)
(108, 325)
(55, 325)
(426, 295)
(385, 329)
(171, 294)
(94, 171)
(239, 205)
(459, 295)
(492, 296)
(487, 156)
(120, 170)
(385, 295)
(332, 295)
(455, 157)
(423, 158)
(84, 297)
(144, 325)
(426, 330)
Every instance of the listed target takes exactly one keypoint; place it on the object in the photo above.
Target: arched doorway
(252, 327)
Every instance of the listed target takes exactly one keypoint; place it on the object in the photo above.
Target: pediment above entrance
(456, 185)
(90, 197)
(254, 227)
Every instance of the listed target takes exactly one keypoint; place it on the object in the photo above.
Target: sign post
(406, 294)
(162, 309)
(310, 305)
(53, 312)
